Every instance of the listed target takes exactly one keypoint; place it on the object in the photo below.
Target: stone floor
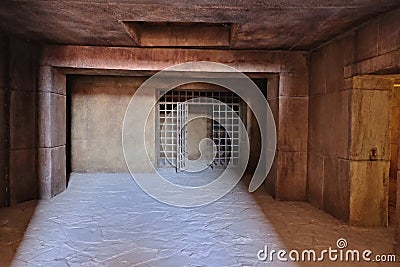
(107, 220)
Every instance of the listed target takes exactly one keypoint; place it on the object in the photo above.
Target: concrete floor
(107, 220)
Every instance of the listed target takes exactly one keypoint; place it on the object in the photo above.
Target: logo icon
(138, 133)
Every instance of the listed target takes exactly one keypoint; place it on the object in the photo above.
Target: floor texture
(107, 220)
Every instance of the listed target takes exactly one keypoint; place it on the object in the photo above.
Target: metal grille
(182, 136)
(167, 124)
(226, 134)
(225, 139)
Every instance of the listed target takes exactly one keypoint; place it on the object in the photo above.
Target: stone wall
(3, 119)
(288, 95)
(18, 97)
(98, 105)
(51, 129)
(394, 156)
(23, 73)
(344, 122)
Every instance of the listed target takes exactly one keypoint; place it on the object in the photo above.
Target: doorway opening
(97, 105)
(198, 127)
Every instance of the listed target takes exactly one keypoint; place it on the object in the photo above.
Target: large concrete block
(58, 170)
(23, 65)
(293, 62)
(318, 71)
(389, 32)
(3, 60)
(348, 83)
(337, 124)
(3, 195)
(317, 124)
(23, 177)
(273, 87)
(389, 61)
(335, 73)
(173, 35)
(52, 80)
(348, 73)
(398, 156)
(59, 120)
(396, 96)
(329, 124)
(395, 126)
(315, 180)
(22, 120)
(397, 238)
(370, 131)
(44, 173)
(369, 182)
(3, 130)
(291, 180)
(52, 119)
(52, 171)
(394, 160)
(339, 54)
(337, 187)
(348, 44)
(106, 84)
(293, 124)
(366, 41)
(155, 59)
(293, 84)
(44, 119)
(372, 83)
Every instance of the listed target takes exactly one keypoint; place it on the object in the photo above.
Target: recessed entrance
(191, 121)
(211, 115)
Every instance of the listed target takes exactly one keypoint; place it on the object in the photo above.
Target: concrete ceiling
(276, 24)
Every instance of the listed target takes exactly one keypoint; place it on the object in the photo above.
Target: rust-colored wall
(329, 122)
(18, 135)
(23, 73)
(394, 154)
(373, 48)
(3, 121)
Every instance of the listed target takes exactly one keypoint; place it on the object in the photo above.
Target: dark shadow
(68, 130)
(254, 129)
(14, 222)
